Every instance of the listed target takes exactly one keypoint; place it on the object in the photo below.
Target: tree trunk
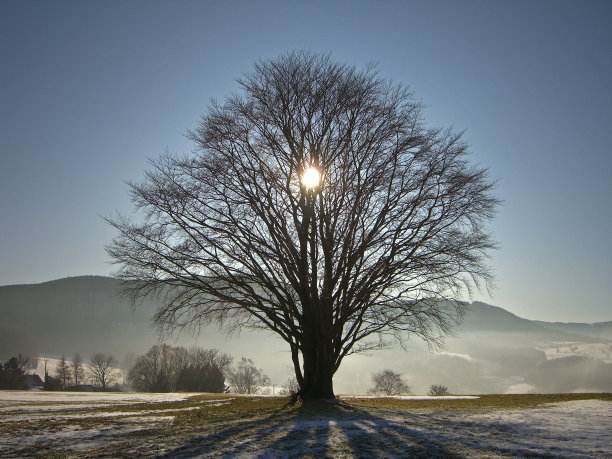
(318, 374)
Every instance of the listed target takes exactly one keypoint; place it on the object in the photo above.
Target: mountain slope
(80, 314)
(485, 318)
(599, 329)
(54, 316)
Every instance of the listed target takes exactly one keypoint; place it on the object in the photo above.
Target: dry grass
(484, 402)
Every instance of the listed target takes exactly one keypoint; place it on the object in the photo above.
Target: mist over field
(493, 351)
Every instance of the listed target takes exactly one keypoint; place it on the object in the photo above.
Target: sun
(311, 177)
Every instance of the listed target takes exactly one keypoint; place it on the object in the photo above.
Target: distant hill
(484, 318)
(492, 351)
(79, 314)
(599, 329)
(90, 310)
(89, 314)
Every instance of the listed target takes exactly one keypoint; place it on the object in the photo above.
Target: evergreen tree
(52, 383)
(11, 375)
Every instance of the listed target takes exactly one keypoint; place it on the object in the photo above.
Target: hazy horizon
(491, 352)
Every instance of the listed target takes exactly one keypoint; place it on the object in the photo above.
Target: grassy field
(214, 424)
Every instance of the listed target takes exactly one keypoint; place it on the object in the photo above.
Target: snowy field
(212, 425)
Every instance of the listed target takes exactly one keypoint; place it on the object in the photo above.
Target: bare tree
(389, 383)
(62, 371)
(246, 378)
(146, 374)
(103, 369)
(438, 389)
(210, 358)
(317, 205)
(174, 359)
(290, 388)
(160, 369)
(78, 371)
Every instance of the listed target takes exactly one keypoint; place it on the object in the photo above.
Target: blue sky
(90, 90)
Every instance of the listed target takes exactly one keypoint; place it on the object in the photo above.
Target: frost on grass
(212, 425)
(577, 429)
(552, 430)
(32, 421)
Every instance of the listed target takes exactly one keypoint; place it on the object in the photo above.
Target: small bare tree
(318, 205)
(291, 387)
(246, 378)
(78, 371)
(438, 389)
(62, 371)
(387, 382)
(103, 369)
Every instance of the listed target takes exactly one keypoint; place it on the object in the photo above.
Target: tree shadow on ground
(343, 430)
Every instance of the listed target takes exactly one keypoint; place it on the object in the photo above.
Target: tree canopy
(382, 243)
(103, 369)
(166, 368)
(388, 382)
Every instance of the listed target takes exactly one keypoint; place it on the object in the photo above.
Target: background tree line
(102, 371)
(387, 382)
(13, 372)
(166, 368)
(69, 375)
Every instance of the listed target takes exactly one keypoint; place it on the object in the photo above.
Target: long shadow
(237, 438)
(344, 430)
(316, 431)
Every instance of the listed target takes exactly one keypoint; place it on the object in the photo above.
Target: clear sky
(90, 90)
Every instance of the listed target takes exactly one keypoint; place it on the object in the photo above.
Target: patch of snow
(581, 429)
(578, 429)
(17, 416)
(17, 407)
(75, 438)
(43, 397)
(56, 408)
